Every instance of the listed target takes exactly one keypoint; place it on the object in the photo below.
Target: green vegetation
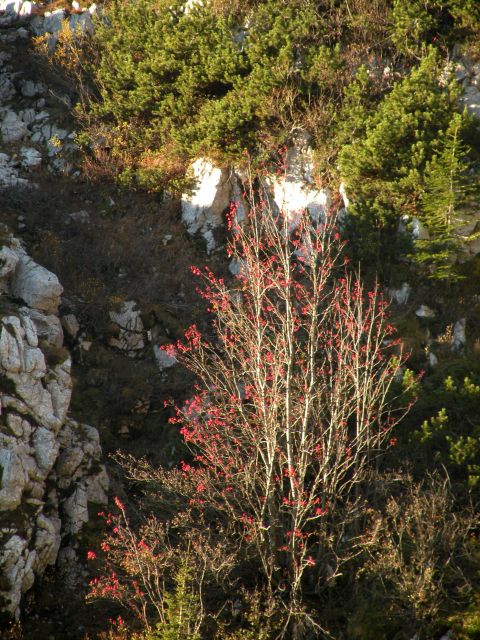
(182, 609)
(419, 22)
(202, 82)
(449, 193)
(369, 82)
(450, 435)
(408, 159)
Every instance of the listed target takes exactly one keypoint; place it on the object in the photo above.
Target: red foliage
(291, 408)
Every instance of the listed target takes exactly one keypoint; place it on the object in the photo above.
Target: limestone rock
(432, 360)
(164, 361)
(75, 509)
(13, 478)
(47, 540)
(71, 325)
(46, 448)
(69, 462)
(7, 90)
(235, 267)
(401, 295)
(31, 158)
(60, 388)
(130, 328)
(82, 217)
(29, 328)
(50, 467)
(424, 311)
(9, 176)
(471, 100)
(80, 454)
(13, 565)
(13, 128)
(419, 232)
(202, 210)
(97, 487)
(8, 263)
(459, 338)
(37, 286)
(190, 4)
(11, 6)
(11, 345)
(48, 327)
(216, 188)
(295, 191)
(31, 89)
(81, 22)
(53, 21)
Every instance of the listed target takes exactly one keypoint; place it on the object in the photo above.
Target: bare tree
(292, 404)
(291, 407)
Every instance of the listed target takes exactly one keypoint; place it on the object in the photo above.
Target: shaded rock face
(28, 109)
(467, 74)
(130, 330)
(50, 466)
(37, 287)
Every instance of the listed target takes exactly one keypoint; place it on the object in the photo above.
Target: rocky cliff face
(50, 466)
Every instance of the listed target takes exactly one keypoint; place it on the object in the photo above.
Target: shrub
(419, 23)
(422, 556)
(448, 195)
(182, 609)
(451, 432)
(198, 81)
(466, 624)
(289, 413)
(214, 80)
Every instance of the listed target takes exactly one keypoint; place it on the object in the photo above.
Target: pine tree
(384, 167)
(447, 195)
(182, 608)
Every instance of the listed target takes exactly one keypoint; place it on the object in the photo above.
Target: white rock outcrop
(424, 311)
(36, 286)
(203, 208)
(44, 142)
(459, 338)
(9, 175)
(51, 22)
(402, 294)
(50, 466)
(215, 189)
(48, 327)
(130, 332)
(13, 128)
(294, 189)
(71, 325)
(467, 73)
(31, 158)
(164, 361)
